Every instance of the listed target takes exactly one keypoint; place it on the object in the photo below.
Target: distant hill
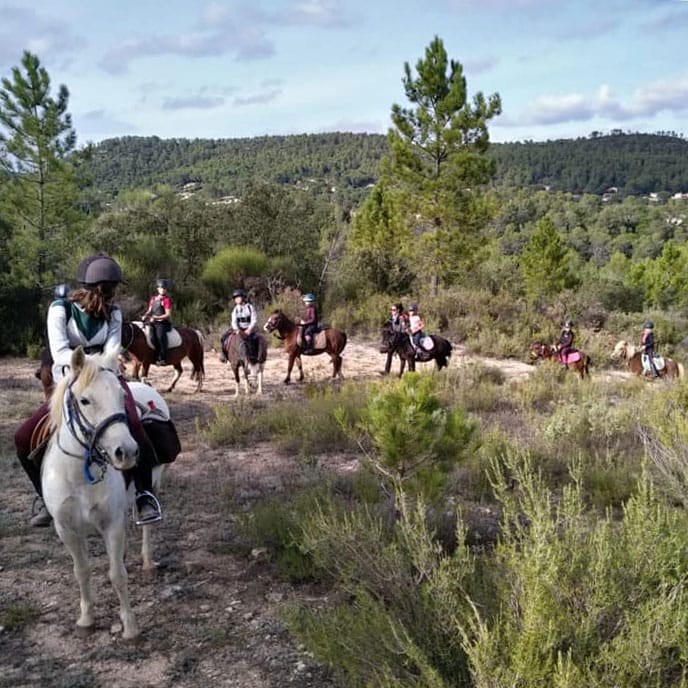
(350, 163)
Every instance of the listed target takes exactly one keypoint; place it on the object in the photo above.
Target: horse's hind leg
(115, 541)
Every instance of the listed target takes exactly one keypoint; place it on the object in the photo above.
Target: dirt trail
(210, 616)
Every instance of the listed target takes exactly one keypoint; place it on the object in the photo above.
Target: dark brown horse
(576, 360)
(143, 356)
(328, 340)
(250, 356)
(666, 367)
(135, 343)
(400, 343)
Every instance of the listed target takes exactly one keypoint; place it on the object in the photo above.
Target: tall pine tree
(39, 190)
(439, 156)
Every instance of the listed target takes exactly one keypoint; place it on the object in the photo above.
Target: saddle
(658, 362)
(572, 357)
(174, 339)
(319, 342)
(427, 343)
(39, 439)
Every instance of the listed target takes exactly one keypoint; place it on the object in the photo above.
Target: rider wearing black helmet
(565, 341)
(89, 318)
(244, 321)
(647, 342)
(159, 314)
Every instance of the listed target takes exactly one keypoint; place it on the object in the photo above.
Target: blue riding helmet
(309, 298)
(649, 325)
(61, 291)
(164, 283)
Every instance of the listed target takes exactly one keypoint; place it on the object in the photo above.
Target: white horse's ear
(110, 356)
(78, 359)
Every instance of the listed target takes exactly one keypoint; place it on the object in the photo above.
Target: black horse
(400, 343)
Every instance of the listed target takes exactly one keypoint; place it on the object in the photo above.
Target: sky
(225, 69)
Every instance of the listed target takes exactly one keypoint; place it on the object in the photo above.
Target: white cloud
(195, 102)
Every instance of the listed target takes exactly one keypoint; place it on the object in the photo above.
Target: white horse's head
(89, 401)
(623, 351)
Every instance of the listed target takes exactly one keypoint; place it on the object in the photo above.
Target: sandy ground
(210, 615)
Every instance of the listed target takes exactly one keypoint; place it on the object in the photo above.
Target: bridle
(87, 435)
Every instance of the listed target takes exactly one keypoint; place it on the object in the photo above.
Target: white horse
(83, 487)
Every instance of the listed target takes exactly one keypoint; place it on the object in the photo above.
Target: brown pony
(135, 344)
(328, 340)
(539, 351)
(250, 358)
(626, 352)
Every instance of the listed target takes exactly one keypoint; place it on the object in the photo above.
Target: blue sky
(225, 69)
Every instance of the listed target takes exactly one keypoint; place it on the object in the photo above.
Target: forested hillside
(634, 163)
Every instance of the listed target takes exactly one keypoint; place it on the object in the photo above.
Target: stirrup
(150, 519)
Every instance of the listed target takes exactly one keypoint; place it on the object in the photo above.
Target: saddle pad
(573, 357)
(427, 343)
(320, 341)
(657, 360)
(174, 339)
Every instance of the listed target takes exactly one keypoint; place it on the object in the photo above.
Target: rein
(83, 431)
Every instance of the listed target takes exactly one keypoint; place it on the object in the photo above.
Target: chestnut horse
(251, 357)
(576, 360)
(135, 343)
(666, 367)
(400, 343)
(328, 340)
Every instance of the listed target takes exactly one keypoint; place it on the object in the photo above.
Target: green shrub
(413, 438)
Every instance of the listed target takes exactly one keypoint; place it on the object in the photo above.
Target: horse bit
(93, 453)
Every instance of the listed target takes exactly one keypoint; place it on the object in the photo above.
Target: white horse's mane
(88, 371)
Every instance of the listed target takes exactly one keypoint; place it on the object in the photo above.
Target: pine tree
(39, 191)
(439, 155)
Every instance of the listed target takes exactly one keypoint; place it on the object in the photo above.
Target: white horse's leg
(115, 544)
(177, 375)
(76, 546)
(246, 385)
(148, 564)
(260, 379)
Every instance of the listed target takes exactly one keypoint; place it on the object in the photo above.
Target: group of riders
(244, 322)
(565, 345)
(88, 316)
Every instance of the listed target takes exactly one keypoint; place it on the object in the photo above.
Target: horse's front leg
(177, 375)
(290, 365)
(259, 380)
(237, 380)
(115, 544)
(246, 385)
(76, 545)
(402, 365)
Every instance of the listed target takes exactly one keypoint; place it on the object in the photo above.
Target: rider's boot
(147, 507)
(40, 518)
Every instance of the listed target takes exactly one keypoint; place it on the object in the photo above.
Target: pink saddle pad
(570, 358)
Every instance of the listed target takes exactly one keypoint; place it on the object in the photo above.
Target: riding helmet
(163, 283)
(98, 268)
(239, 292)
(413, 308)
(649, 325)
(309, 298)
(568, 323)
(61, 291)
